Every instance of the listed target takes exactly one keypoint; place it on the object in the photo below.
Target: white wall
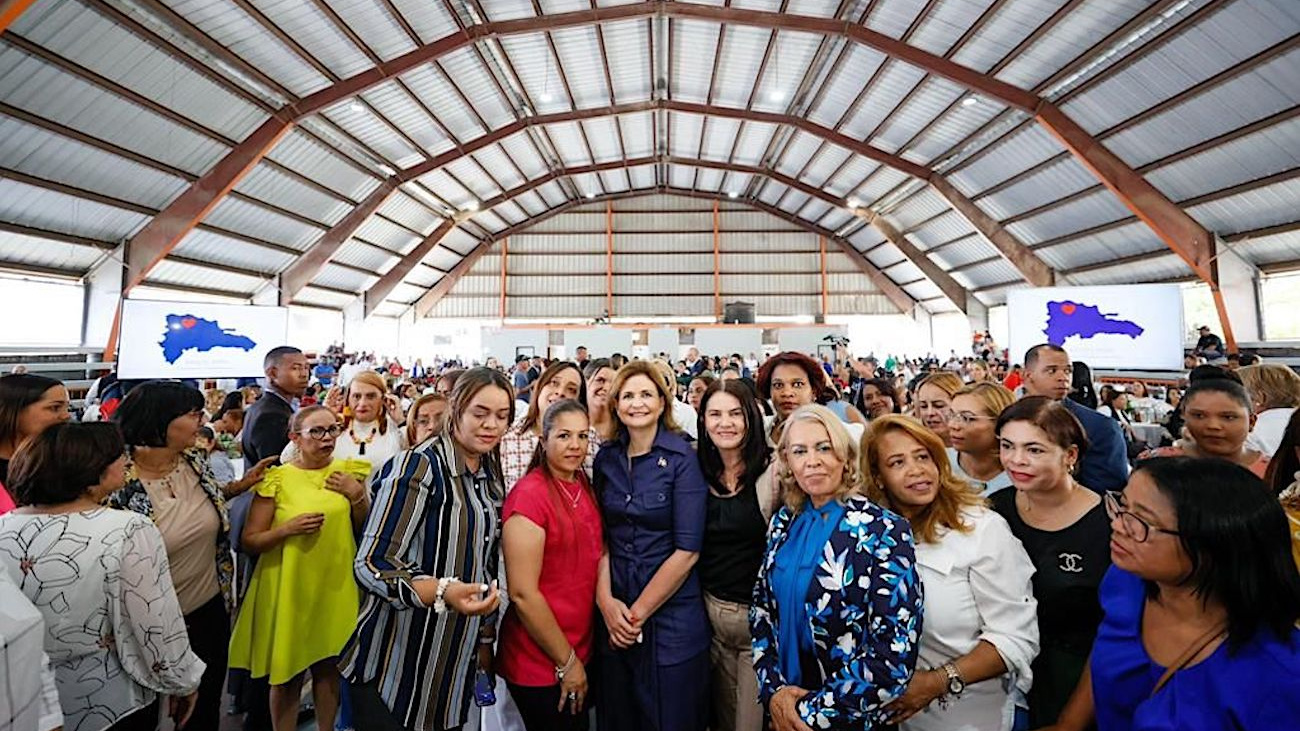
(501, 342)
(806, 339)
(663, 340)
(728, 340)
(601, 342)
(314, 329)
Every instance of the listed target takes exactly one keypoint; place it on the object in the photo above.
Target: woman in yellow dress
(297, 614)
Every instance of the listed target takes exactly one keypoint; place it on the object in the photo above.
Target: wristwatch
(956, 686)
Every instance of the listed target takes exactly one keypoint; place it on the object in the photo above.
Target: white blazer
(977, 587)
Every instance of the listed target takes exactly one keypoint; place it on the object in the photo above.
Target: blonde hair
(212, 400)
(371, 378)
(650, 371)
(1271, 385)
(846, 450)
(994, 397)
(954, 495)
(414, 412)
(946, 381)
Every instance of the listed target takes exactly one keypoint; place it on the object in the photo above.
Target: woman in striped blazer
(427, 563)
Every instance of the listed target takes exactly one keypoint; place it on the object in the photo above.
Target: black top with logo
(1069, 565)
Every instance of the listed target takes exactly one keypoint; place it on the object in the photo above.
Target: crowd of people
(708, 543)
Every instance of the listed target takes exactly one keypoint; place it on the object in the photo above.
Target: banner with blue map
(197, 340)
(1138, 326)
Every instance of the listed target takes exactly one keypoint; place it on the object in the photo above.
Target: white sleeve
(51, 711)
(1001, 580)
(149, 628)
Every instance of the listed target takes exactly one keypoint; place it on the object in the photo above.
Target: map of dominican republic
(1067, 318)
(187, 332)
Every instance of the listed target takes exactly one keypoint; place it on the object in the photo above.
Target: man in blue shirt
(324, 372)
(521, 380)
(1104, 466)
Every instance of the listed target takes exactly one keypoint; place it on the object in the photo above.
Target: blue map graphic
(1067, 318)
(187, 332)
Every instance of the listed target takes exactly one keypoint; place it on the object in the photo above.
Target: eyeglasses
(1137, 529)
(320, 432)
(965, 418)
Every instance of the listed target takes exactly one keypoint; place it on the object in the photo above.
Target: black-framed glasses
(1138, 529)
(320, 432)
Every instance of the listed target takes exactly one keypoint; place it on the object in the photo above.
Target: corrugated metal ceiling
(105, 121)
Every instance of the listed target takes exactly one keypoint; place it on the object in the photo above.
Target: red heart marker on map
(1066, 308)
(189, 322)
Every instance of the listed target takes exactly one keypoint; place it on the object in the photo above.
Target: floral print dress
(864, 609)
(113, 628)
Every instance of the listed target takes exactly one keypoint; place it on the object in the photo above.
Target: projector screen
(197, 340)
(1134, 326)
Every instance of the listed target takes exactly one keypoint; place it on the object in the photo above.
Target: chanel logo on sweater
(1071, 563)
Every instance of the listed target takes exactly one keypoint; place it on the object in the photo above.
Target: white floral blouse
(113, 628)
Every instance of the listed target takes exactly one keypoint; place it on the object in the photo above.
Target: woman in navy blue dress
(1200, 607)
(653, 497)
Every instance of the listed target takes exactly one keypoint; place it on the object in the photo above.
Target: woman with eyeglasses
(974, 451)
(300, 608)
(934, 401)
(170, 481)
(1218, 415)
(1201, 607)
(1064, 529)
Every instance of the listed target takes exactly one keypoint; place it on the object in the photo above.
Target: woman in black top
(1064, 529)
(735, 460)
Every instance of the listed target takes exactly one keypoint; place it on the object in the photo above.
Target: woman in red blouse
(552, 545)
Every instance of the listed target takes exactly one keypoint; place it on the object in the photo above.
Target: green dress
(302, 603)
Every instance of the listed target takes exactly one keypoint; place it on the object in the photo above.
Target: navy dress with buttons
(653, 505)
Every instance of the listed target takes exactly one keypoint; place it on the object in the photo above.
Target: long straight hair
(17, 392)
(548, 375)
(753, 450)
(562, 508)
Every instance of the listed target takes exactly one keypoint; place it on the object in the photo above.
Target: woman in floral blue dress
(837, 609)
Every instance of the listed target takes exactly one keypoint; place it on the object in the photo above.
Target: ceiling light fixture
(357, 106)
(776, 95)
(591, 195)
(853, 203)
(733, 194)
(970, 101)
(545, 97)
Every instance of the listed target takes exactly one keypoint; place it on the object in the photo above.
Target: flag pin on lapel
(663, 462)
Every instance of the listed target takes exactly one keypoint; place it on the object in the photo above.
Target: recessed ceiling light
(357, 106)
(970, 101)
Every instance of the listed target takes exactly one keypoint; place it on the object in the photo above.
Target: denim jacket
(864, 605)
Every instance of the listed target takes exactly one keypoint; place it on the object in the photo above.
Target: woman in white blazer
(980, 628)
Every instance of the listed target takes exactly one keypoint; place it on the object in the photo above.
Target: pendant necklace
(361, 443)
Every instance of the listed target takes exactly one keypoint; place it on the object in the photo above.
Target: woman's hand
(573, 689)
(784, 708)
(623, 627)
(486, 660)
(303, 524)
(346, 485)
(465, 598)
(181, 707)
(924, 689)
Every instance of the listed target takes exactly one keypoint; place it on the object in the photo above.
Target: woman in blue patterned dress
(837, 609)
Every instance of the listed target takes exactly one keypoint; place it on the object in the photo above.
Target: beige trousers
(735, 687)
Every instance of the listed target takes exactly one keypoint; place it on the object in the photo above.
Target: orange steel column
(609, 258)
(505, 253)
(821, 244)
(717, 275)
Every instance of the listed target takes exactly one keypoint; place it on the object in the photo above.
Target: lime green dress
(301, 605)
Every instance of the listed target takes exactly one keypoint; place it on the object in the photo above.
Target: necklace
(573, 497)
(361, 443)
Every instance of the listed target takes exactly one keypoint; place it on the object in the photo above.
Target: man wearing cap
(1209, 345)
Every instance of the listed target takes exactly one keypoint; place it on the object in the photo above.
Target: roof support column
(1237, 298)
(956, 293)
(717, 274)
(1025, 261)
(10, 10)
(821, 246)
(505, 254)
(609, 259)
